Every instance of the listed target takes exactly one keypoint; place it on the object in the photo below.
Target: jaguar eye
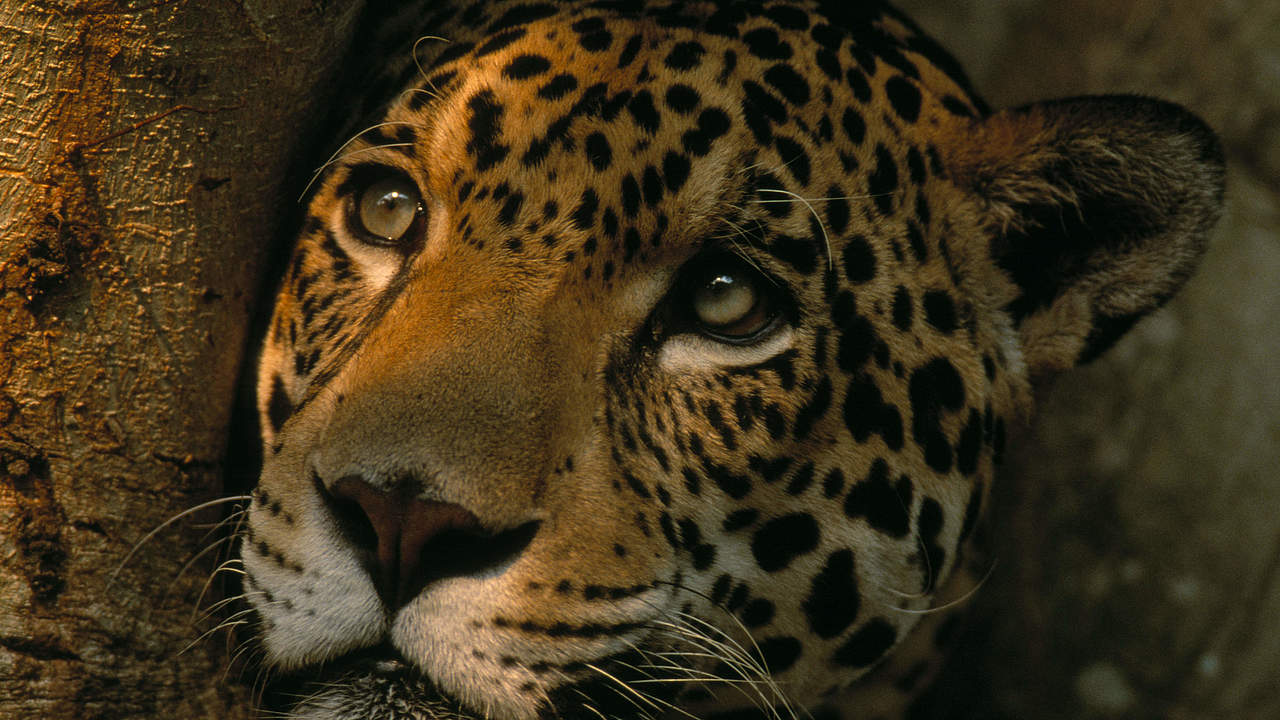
(387, 209)
(731, 301)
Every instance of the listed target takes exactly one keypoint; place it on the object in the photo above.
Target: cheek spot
(867, 645)
(779, 653)
(784, 539)
(279, 407)
(833, 599)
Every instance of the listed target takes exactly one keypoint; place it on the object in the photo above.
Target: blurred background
(1136, 527)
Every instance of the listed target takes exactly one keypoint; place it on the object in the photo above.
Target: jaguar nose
(413, 542)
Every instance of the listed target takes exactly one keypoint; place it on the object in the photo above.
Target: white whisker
(957, 601)
(338, 154)
(826, 240)
(416, 43)
(146, 538)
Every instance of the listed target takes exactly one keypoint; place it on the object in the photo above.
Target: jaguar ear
(1099, 209)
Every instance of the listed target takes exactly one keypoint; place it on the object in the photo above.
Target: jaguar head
(648, 361)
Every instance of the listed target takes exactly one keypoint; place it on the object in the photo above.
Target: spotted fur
(509, 475)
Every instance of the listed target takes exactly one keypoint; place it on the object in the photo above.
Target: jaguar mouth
(371, 684)
(379, 684)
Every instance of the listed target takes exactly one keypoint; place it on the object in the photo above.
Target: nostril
(414, 542)
(456, 553)
(352, 521)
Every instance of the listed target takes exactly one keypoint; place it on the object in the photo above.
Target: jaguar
(654, 359)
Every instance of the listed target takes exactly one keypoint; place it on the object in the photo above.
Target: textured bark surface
(1135, 535)
(143, 152)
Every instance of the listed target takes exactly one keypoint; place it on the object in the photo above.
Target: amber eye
(387, 209)
(731, 301)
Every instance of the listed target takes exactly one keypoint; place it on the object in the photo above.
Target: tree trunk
(144, 158)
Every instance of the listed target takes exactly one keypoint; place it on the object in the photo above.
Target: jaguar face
(654, 361)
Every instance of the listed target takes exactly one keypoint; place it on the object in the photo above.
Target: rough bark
(143, 153)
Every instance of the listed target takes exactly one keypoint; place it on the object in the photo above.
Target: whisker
(924, 553)
(432, 93)
(741, 232)
(745, 659)
(338, 154)
(593, 710)
(219, 605)
(797, 198)
(957, 601)
(216, 544)
(826, 239)
(227, 566)
(224, 625)
(669, 705)
(416, 43)
(147, 538)
(252, 648)
(751, 675)
(233, 620)
(622, 686)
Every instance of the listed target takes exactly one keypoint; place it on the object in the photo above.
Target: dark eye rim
(770, 290)
(359, 179)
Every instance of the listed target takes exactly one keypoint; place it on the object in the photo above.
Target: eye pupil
(388, 208)
(729, 303)
(390, 202)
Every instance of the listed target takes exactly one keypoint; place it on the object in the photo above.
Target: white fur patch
(693, 353)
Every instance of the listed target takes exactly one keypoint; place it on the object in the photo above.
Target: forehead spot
(500, 41)
(685, 56)
(485, 125)
(526, 66)
(558, 86)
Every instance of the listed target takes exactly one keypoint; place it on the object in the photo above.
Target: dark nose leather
(415, 542)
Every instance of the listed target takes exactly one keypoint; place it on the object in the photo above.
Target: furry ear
(1098, 209)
